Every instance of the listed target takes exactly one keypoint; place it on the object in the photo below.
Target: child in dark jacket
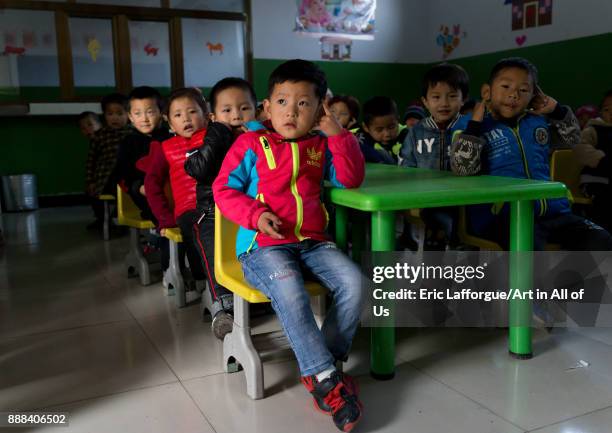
(102, 154)
(594, 152)
(427, 145)
(232, 102)
(381, 135)
(510, 135)
(145, 104)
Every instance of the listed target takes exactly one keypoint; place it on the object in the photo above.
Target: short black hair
(187, 92)
(351, 103)
(470, 104)
(449, 73)
(299, 70)
(378, 106)
(146, 92)
(228, 83)
(90, 114)
(114, 98)
(515, 62)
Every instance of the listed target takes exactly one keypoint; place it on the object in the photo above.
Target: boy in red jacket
(270, 184)
(186, 112)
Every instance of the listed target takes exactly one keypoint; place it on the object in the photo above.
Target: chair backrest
(565, 168)
(125, 207)
(225, 240)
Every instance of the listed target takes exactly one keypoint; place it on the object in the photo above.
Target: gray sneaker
(222, 324)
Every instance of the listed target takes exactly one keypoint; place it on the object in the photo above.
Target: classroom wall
(485, 26)
(52, 148)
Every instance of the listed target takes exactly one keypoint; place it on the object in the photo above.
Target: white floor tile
(595, 422)
(61, 367)
(161, 409)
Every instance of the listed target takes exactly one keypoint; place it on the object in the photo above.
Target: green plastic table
(387, 189)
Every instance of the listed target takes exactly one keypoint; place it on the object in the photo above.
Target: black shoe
(336, 395)
(222, 324)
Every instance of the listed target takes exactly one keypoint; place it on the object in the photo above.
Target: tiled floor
(77, 336)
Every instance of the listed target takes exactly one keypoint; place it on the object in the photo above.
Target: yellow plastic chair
(106, 199)
(565, 168)
(174, 277)
(240, 348)
(128, 215)
(482, 243)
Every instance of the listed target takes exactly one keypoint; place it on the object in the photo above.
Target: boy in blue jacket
(511, 135)
(427, 145)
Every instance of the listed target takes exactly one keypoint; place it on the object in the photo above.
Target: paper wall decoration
(354, 19)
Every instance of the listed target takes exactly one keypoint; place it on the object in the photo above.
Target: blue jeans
(278, 272)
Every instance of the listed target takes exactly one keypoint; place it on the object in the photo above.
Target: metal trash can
(19, 192)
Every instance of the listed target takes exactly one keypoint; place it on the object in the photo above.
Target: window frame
(120, 16)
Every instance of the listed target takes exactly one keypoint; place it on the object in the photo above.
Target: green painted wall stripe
(574, 72)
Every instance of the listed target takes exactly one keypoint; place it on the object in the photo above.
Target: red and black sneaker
(337, 396)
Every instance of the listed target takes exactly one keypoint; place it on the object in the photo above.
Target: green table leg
(358, 235)
(521, 277)
(382, 346)
(341, 223)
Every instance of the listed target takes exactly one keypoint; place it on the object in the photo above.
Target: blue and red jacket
(265, 172)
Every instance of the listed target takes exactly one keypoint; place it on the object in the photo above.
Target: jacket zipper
(295, 153)
(517, 134)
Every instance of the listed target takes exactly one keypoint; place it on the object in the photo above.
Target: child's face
(185, 117)
(115, 115)
(293, 108)
(341, 111)
(606, 110)
(145, 115)
(383, 129)
(89, 126)
(234, 107)
(443, 102)
(510, 93)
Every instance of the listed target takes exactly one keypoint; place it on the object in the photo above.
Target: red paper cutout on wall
(150, 49)
(215, 47)
(10, 49)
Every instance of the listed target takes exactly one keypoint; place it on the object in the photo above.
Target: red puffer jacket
(165, 161)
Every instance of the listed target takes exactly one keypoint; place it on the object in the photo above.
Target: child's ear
(266, 107)
(165, 118)
(211, 117)
(365, 127)
(485, 92)
(424, 101)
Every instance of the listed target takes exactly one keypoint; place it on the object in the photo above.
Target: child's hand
(542, 103)
(328, 124)
(269, 224)
(162, 232)
(141, 190)
(479, 111)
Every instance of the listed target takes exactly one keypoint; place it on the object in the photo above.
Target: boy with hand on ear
(270, 184)
(511, 134)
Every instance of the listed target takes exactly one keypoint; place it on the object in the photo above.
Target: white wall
(398, 29)
(407, 29)
(488, 24)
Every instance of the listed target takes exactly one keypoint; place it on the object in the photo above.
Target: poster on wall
(150, 53)
(92, 52)
(216, 51)
(27, 46)
(353, 19)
